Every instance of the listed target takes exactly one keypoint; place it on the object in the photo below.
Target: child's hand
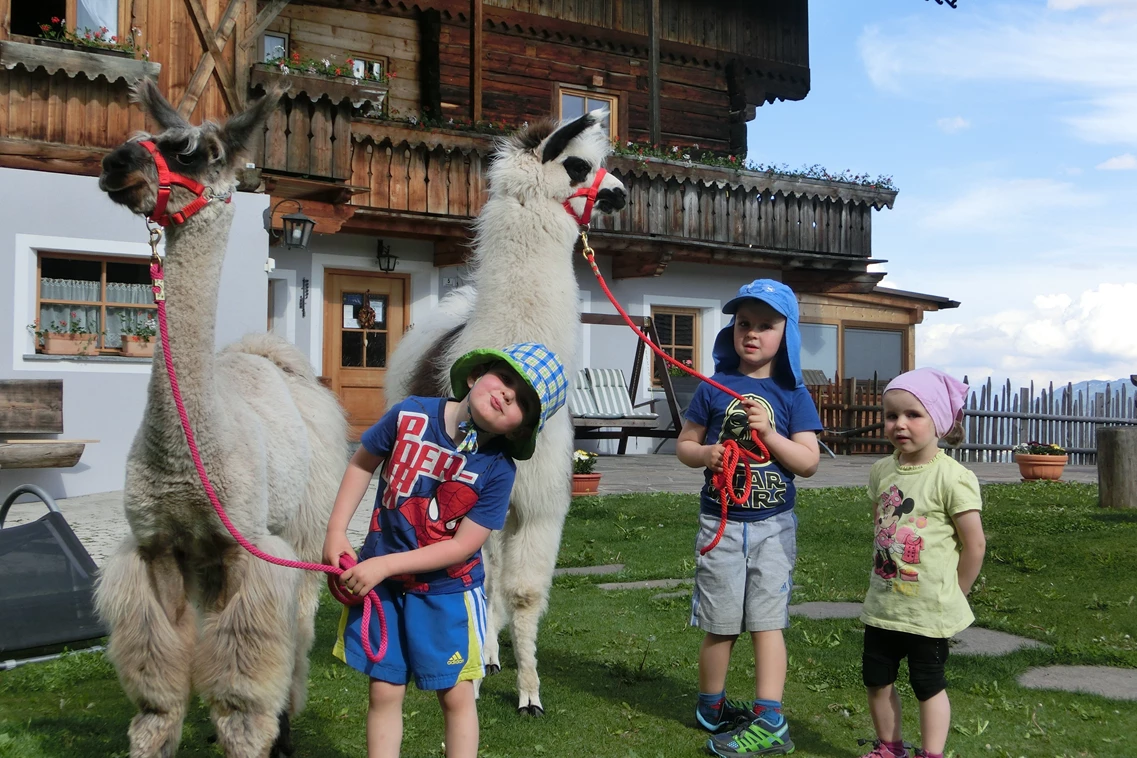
(335, 545)
(713, 459)
(362, 577)
(758, 418)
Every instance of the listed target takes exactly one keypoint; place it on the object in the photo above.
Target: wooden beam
(31, 406)
(452, 252)
(51, 455)
(414, 225)
(637, 266)
(267, 15)
(40, 156)
(655, 125)
(212, 59)
(477, 22)
(329, 217)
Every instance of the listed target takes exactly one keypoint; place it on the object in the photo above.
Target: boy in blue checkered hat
(446, 470)
(743, 584)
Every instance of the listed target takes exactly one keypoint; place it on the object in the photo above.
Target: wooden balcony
(431, 183)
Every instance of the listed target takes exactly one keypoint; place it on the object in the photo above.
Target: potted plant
(1039, 461)
(584, 481)
(138, 339)
(70, 338)
(685, 384)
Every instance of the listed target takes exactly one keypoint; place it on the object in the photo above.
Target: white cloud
(953, 124)
(1001, 205)
(1058, 337)
(1124, 162)
(1087, 61)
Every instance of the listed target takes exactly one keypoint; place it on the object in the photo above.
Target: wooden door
(355, 356)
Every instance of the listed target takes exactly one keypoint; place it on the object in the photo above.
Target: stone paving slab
(611, 568)
(826, 610)
(647, 584)
(977, 641)
(1107, 681)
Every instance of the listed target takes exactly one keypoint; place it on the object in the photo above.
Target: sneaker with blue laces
(757, 737)
(725, 714)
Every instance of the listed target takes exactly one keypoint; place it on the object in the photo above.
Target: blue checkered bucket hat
(537, 365)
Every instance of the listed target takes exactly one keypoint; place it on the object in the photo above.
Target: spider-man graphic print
(426, 489)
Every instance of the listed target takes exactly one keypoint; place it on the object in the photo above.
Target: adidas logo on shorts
(455, 659)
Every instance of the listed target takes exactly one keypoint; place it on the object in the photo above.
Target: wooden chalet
(396, 147)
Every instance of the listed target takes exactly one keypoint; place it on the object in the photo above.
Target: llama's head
(550, 162)
(209, 154)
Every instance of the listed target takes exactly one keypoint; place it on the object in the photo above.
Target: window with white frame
(274, 46)
(98, 295)
(574, 103)
(369, 67)
(678, 330)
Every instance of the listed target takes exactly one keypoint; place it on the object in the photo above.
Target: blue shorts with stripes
(437, 639)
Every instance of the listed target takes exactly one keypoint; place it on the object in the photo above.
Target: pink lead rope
(370, 600)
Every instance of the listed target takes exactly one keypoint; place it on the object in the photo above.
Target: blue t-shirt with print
(791, 411)
(426, 488)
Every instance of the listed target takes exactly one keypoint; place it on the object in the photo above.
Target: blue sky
(1010, 129)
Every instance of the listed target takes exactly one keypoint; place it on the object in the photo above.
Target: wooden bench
(34, 407)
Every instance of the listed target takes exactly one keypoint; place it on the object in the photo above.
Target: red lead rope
(369, 601)
(732, 452)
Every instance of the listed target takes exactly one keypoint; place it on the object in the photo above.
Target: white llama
(187, 608)
(524, 289)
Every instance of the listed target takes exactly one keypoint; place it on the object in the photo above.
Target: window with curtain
(95, 14)
(870, 352)
(678, 330)
(103, 296)
(575, 103)
(819, 348)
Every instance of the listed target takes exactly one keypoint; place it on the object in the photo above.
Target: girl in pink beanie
(927, 552)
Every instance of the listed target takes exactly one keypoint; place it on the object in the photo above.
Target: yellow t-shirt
(913, 586)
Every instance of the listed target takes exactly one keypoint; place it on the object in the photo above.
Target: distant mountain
(1098, 385)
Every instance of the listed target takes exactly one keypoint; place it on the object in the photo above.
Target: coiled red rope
(732, 453)
(370, 600)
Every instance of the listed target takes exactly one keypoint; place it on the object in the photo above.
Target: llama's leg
(247, 651)
(497, 611)
(541, 496)
(307, 605)
(152, 629)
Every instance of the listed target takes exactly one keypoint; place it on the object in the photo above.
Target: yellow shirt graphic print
(767, 487)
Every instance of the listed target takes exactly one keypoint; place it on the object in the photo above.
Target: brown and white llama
(523, 289)
(188, 609)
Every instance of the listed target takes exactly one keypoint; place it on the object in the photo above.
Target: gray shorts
(744, 584)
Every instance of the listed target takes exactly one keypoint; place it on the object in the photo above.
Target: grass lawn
(619, 669)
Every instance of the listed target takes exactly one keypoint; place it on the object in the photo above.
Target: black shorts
(884, 649)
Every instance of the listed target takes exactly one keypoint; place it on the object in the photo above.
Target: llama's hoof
(492, 668)
(283, 747)
(530, 710)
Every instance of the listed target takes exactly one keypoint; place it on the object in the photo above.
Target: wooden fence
(995, 420)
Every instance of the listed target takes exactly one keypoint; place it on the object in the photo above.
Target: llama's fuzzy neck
(195, 252)
(522, 268)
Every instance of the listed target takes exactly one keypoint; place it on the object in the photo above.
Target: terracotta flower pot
(70, 344)
(137, 347)
(1041, 466)
(585, 484)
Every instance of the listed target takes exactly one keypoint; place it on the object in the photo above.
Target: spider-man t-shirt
(426, 488)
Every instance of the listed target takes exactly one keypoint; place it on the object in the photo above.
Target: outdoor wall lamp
(387, 262)
(297, 228)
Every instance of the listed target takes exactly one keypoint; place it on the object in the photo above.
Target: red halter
(166, 180)
(590, 198)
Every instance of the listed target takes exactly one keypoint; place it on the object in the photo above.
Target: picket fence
(996, 418)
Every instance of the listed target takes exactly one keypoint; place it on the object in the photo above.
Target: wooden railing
(995, 419)
(441, 172)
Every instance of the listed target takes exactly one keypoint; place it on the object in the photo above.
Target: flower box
(73, 61)
(55, 343)
(315, 86)
(82, 48)
(137, 347)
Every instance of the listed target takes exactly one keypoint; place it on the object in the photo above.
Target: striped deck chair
(580, 401)
(610, 390)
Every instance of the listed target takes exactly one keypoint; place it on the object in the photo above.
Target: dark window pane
(67, 279)
(684, 354)
(376, 349)
(684, 330)
(870, 352)
(663, 327)
(352, 347)
(352, 302)
(379, 305)
(572, 106)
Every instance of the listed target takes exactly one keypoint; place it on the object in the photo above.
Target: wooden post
(477, 21)
(1117, 466)
(653, 74)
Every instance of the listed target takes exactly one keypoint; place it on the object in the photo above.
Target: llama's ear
(145, 92)
(238, 131)
(560, 139)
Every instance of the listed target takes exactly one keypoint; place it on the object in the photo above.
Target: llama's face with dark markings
(546, 161)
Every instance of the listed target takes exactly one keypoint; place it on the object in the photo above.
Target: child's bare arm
(353, 487)
(466, 541)
(691, 451)
(969, 527)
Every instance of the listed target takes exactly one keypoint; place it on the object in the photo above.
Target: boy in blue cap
(446, 477)
(744, 583)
